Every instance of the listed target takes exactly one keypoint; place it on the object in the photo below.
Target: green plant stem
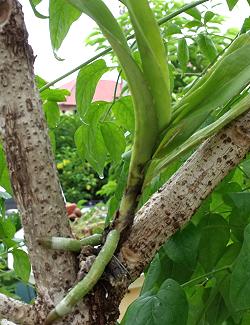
(206, 275)
(109, 49)
(153, 57)
(86, 285)
(69, 244)
(202, 134)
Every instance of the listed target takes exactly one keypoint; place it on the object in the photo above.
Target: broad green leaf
(231, 3)
(167, 306)
(124, 113)
(217, 312)
(114, 140)
(4, 173)
(207, 47)
(246, 166)
(196, 303)
(240, 215)
(90, 146)
(173, 29)
(195, 13)
(86, 83)
(240, 280)
(246, 318)
(21, 264)
(62, 15)
(40, 82)
(223, 278)
(209, 15)
(54, 95)
(52, 113)
(8, 228)
(193, 23)
(36, 2)
(246, 25)
(215, 234)
(183, 53)
(183, 246)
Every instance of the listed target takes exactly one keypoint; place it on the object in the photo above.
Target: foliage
(9, 245)
(78, 179)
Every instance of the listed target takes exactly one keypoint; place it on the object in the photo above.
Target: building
(104, 91)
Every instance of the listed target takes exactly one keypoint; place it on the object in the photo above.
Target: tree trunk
(38, 194)
(31, 163)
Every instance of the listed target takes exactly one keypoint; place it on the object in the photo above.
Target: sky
(74, 51)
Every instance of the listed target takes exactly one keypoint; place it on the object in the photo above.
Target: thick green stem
(153, 56)
(69, 244)
(146, 123)
(239, 108)
(86, 285)
(109, 49)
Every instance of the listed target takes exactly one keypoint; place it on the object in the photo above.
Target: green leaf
(215, 234)
(90, 145)
(196, 303)
(54, 95)
(246, 25)
(167, 306)
(240, 215)
(193, 23)
(183, 246)
(62, 15)
(4, 173)
(231, 4)
(183, 53)
(240, 280)
(194, 12)
(208, 16)
(124, 113)
(207, 47)
(52, 113)
(21, 264)
(173, 29)
(36, 2)
(8, 228)
(114, 140)
(86, 83)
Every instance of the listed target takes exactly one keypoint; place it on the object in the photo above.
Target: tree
(162, 133)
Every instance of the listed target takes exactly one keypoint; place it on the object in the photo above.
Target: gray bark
(31, 162)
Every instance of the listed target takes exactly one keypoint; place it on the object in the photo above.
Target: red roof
(104, 91)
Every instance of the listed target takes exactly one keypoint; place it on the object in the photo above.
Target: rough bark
(30, 160)
(16, 311)
(39, 198)
(174, 204)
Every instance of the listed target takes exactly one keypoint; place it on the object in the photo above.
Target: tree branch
(16, 311)
(174, 204)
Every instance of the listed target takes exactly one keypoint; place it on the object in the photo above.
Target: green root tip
(52, 316)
